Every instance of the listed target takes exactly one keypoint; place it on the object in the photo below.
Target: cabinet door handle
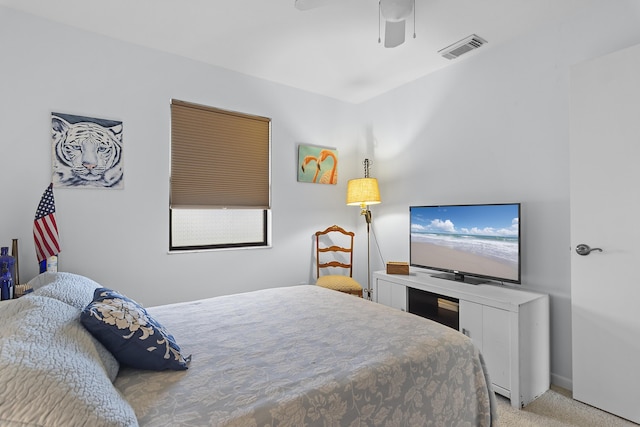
(465, 331)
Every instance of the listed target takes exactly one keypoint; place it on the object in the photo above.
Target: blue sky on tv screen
(476, 220)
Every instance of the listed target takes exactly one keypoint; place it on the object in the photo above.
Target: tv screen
(481, 241)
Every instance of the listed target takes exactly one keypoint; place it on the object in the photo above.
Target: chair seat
(340, 283)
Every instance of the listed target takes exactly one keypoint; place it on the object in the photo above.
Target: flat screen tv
(470, 243)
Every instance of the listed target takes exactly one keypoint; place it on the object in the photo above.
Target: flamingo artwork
(321, 161)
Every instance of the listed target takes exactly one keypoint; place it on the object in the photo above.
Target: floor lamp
(364, 192)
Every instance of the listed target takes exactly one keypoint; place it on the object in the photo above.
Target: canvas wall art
(86, 152)
(318, 165)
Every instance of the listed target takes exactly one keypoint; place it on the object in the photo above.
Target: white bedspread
(305, 355)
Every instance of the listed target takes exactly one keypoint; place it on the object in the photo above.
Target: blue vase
(11, 262)
(6, 283)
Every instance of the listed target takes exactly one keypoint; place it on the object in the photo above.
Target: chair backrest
(332, 251)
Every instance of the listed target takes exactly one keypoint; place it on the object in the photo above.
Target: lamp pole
(367, 217)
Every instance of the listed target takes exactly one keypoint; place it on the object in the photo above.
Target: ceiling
(332, 50)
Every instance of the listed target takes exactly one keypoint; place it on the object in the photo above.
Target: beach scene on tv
(474, 239)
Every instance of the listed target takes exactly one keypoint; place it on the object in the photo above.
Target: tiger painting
(87, 152)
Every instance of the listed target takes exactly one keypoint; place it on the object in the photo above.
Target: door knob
(583, 249)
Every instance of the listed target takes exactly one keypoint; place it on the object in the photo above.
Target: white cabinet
(488, 328)
(391, 294)
(509, 326)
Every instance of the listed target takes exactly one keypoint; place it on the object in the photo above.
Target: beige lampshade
(362, 192)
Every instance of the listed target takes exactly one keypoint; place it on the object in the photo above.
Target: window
(220, 178)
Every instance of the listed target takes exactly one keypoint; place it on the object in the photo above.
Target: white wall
(491, 128)
(120, 237)
(495, 128)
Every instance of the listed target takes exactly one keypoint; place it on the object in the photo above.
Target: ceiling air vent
(461, 47)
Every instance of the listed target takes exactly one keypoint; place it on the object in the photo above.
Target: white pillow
(41, 280)
(70, 288)
(77, 291)
(51, 373)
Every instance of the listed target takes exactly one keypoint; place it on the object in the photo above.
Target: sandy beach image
(428, 254)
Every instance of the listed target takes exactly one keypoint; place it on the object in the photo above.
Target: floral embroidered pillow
(133, 337)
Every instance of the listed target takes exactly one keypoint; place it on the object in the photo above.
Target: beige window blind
(219, 159)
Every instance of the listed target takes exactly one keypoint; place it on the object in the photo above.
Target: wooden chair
(331, 255)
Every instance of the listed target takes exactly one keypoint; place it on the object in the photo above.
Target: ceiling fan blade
(312, 4)
(394, 33)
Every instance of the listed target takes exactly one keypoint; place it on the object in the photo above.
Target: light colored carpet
(556, 408)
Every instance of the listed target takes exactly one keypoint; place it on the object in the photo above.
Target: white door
(605, 213)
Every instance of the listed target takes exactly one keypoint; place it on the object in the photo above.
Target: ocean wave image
(503, 248)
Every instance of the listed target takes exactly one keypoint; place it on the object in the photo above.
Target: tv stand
(458, 277)
(510, 326)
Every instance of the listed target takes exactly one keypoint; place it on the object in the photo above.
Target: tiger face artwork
(87, 152)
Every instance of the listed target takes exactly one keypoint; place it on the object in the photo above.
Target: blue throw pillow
(133, 337)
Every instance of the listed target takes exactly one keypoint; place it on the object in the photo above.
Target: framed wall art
(86, 152)
(318, 165)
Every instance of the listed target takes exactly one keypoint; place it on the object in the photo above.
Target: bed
(290, 356)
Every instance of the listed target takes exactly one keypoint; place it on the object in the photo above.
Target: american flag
(45, 229)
